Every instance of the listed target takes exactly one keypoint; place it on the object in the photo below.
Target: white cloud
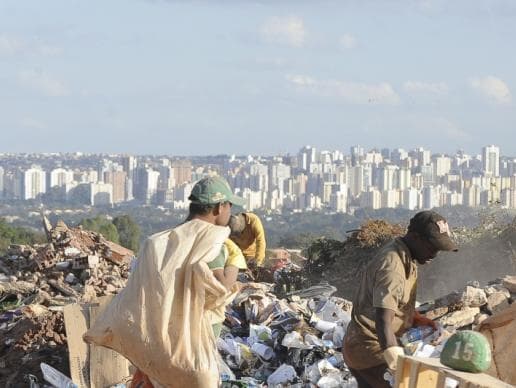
(288, 30)
(29, 122)
(351, 92)
(493, 88)
(425, 87)
(43, 83)
(348, 41)
(10, 45)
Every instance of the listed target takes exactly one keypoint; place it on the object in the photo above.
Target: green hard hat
(468, 351)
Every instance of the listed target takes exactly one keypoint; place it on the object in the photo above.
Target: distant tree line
(122, 230)
(10, 234)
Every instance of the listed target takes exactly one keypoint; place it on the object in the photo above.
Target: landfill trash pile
(296, 341)
(75, 266)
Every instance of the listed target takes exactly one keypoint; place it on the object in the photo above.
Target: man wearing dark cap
(384, 302)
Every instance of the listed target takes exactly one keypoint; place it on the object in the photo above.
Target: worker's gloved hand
(421, 320)
(391, 356)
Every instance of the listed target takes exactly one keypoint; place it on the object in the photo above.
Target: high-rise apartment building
(491, 160)
(34, 183)
(442, 166)
(410, 199)
(100, 194)
(339, 201)
(182, 171)
(60, 177)
(118, 180)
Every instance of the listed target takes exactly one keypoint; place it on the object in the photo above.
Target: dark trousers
(371, 377)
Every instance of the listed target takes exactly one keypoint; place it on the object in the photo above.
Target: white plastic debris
(338, 336)
(259, 333)
(56, 378)
(312, 340)
(70, 278)
(332, 380)
(322, 325)
(294, 340)
(284, 374)
(337, 360)
(262, 350)
(72, 251)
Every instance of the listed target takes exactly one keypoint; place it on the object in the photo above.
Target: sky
(256, 77)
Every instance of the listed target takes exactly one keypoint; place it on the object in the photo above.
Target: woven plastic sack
(160, 321)
(500, 331)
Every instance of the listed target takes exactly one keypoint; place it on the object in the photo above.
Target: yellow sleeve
(259, 235)
(234, 255)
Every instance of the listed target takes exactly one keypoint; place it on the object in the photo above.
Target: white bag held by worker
(159, 320)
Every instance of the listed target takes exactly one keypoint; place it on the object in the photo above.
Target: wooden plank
(427, 377)
(107, 367)
(476, 379)
(76, 323)
(403, 374)
(414, 374)
(441, 380)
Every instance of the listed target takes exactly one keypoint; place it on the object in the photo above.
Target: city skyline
(260, 77)
(312, 179)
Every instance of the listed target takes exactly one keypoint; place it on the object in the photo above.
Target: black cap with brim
(433, 226)
(443, 242)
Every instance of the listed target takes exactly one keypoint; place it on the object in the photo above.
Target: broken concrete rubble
(37, 281)
(460, 318)
(497, 302)
(509, 282)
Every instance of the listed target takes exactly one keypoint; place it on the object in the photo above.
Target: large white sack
(159, 321)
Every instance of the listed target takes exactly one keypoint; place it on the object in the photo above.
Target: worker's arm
(387, 294)
(227, 276)
(383, 323)
(420, 320)
(259, 235)
(391, 350)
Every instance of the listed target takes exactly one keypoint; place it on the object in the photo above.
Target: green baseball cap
(213, 190)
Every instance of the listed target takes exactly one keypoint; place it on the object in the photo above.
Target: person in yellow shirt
(247, 232)
(230, 256)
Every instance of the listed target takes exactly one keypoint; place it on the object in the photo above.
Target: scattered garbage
(292, 340)
(288, 332)
(56, 378)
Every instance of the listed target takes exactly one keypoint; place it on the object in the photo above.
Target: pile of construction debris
(472, 305)
(75, 266)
